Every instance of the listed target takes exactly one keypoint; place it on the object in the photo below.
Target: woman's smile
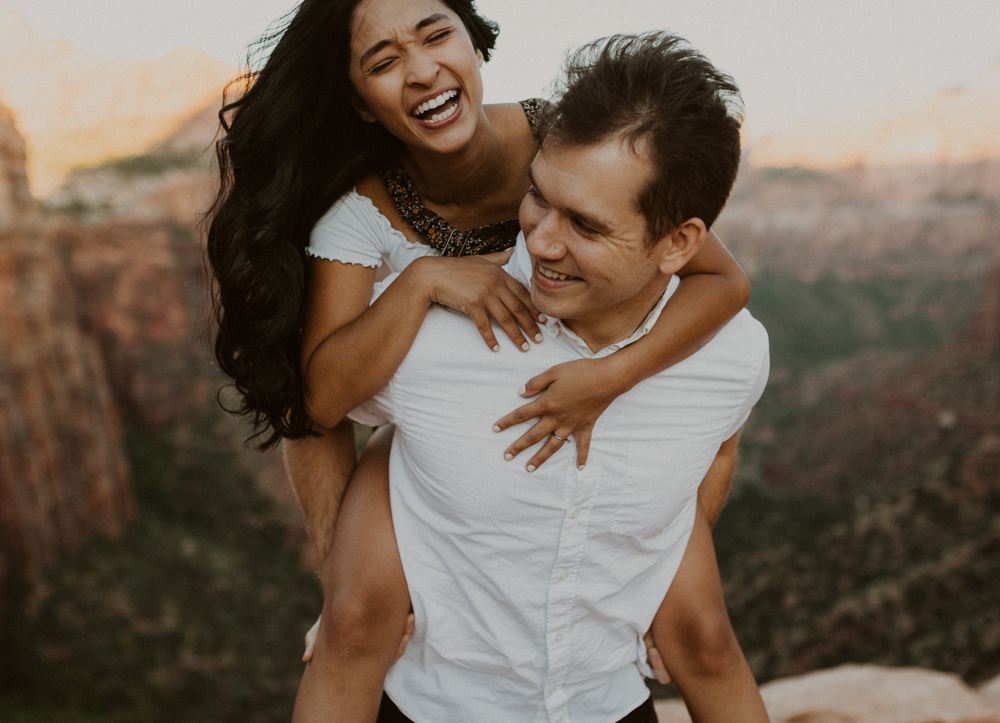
(439, 110)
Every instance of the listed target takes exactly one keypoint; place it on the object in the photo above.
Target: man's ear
(479, 57)
(681, 245)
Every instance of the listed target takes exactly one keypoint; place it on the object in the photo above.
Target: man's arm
(693, 631)
(320, 468)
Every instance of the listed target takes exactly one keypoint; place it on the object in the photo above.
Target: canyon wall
(62, 471)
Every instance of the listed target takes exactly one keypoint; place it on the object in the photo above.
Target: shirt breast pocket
(661, 480)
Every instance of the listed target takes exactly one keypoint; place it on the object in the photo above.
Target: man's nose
(546, 239)
(422, 69)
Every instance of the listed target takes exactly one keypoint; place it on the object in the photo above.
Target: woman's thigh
(364, 564)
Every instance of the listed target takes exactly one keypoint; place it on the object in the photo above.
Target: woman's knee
(365, 615)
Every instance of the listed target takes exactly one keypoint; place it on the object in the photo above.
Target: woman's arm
(350, 350)
(713, 289)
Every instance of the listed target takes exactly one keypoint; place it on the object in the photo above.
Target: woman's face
(416, 72)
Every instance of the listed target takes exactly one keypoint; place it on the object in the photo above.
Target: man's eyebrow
(582, 216)
(429, 20)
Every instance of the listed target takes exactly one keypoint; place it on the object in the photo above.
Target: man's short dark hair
(664, 98)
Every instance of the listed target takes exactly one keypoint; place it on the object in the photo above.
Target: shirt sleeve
(375, 411)
(757, 388)
(352, 232)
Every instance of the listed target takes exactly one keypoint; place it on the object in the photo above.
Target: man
(532, 591)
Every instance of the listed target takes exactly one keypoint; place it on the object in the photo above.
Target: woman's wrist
(420, 276)
(620, 371)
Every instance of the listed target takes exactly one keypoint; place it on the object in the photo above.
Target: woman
(377, 106)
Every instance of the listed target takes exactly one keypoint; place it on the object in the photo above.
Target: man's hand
(653, 657)
(313, 632)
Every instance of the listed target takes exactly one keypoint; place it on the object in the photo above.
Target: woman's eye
(439, 36)
(533, 192)
(380, 67)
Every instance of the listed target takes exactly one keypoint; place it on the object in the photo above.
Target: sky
(791, 58)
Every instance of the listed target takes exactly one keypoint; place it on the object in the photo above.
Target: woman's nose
(422, 69)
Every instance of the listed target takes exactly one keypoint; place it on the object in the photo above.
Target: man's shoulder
(739, 349)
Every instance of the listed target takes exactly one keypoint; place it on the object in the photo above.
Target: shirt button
(564, 576)
(574, 514)
(552, 692)
(559, 637)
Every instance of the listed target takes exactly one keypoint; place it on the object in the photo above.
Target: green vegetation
(155, 164)
(830, 319)
(911, 578)
(197, 615)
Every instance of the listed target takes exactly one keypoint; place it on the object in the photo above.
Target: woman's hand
(478, 287)
(313, 633)
(573, 396)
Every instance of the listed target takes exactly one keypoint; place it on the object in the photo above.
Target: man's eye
(533, 192)
(439, 36)
(583, 228)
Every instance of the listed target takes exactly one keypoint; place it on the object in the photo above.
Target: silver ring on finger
(559, 438)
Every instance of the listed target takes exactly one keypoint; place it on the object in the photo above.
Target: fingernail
(496, 348)
(525, 346)
(580, 467)
(496, 428)
(653, 655)
(538, 338)
(541, 318)
(531, 468)
(524, 390)
(508, 456)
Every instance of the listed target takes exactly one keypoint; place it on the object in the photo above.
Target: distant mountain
(78, 108)
(960, 125)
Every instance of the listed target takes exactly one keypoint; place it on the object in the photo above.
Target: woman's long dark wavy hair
(291, 145)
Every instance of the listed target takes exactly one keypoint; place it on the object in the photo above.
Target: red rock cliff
(63, 475)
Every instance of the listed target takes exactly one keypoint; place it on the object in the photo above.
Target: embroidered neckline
(441, 235)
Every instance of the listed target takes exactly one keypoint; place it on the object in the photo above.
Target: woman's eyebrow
(429, 20)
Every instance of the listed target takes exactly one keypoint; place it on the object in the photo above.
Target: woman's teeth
(553, 275)
(436, 102)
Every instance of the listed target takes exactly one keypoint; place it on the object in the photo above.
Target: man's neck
(618, 323)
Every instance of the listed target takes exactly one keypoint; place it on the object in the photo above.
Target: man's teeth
(435, 102)
(553, 275)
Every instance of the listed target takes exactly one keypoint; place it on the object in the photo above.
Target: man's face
(592, 267)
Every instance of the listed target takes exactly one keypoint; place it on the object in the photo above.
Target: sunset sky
(792, 58)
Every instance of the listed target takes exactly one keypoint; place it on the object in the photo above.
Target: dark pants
(389, 713)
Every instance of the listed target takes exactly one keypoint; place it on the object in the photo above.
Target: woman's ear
(362, 110)
(681, 245)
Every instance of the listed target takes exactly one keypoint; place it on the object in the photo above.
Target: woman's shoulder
(353, 230)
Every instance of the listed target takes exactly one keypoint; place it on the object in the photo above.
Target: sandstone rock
(142, 294)
(989, 692)
(985, 328)
(62, 471)
(864, 694)
(79, 108)
(956, 125)
(16, 205)
(865, 222)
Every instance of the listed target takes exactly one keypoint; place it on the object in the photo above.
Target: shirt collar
(520, 268)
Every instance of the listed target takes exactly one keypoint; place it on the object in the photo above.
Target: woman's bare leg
(367, 601)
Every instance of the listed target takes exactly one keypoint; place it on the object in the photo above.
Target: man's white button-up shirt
(532, 591)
